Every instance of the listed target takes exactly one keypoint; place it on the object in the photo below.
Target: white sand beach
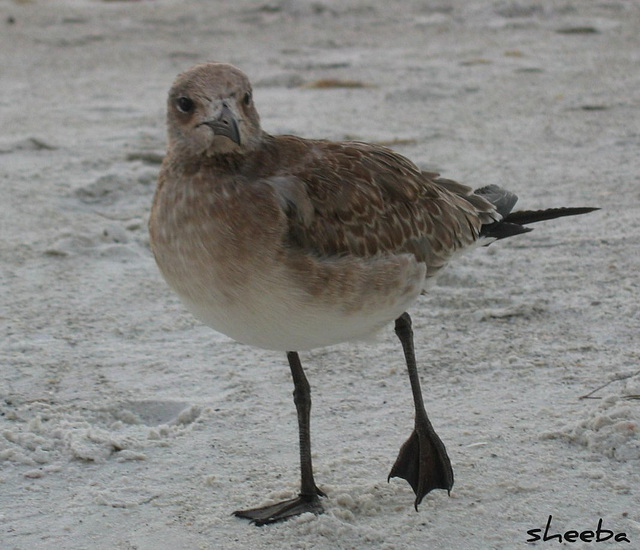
(126, 424)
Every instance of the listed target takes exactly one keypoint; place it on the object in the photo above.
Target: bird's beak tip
(225, 124)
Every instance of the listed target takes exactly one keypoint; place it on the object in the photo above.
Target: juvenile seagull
(291, 244)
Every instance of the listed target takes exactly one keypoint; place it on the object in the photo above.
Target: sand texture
(126, 424)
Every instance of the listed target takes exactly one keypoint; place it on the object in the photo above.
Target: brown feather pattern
(245, 223)
(352, 198)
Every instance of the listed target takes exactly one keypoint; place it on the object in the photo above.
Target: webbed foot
(283, 510)
(424, 463)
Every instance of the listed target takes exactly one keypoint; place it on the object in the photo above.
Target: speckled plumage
(341, 234)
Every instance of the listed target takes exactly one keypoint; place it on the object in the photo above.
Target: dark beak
(225, 125)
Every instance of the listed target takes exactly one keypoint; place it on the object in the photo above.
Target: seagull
(291, 244)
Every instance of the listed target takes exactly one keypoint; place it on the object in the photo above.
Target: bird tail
(513, 223)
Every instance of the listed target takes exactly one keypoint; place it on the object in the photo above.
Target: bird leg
(307, 500)
(423, 459)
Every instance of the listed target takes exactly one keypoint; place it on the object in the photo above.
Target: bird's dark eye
(247, 98)
(185, 104)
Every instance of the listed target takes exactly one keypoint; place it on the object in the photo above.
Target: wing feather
(365, 200)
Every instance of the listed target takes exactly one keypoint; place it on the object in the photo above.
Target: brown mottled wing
(362, 199)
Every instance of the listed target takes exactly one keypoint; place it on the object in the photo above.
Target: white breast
(281, 308)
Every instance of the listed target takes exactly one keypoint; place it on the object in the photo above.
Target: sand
(125, 424)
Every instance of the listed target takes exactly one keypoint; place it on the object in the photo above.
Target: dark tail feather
(502, 230)
(523, 217)
(512, 222)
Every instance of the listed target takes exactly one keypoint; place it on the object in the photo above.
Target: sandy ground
(126, 424)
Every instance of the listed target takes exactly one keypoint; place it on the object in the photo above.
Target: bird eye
(247, 98)
(185, 104)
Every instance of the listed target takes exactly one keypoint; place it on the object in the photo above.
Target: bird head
(210, 111)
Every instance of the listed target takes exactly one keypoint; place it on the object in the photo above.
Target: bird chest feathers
(202, 221)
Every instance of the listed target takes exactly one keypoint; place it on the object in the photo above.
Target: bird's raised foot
(424, 463)
(283, 510)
